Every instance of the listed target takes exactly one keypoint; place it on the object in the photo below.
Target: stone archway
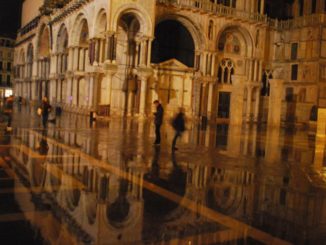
(130, 47)
(81, 59)
(178, 45)
(234, 71)
(174, 59)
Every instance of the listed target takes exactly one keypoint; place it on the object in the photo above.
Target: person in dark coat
(178, 124)
(46, 109)
(158, 121)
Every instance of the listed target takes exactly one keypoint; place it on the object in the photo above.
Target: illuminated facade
(221, 60)
(6, 66)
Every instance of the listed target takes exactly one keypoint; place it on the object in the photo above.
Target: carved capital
(110, 68)
(144, 72)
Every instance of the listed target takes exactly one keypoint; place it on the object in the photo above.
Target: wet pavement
(105, 183)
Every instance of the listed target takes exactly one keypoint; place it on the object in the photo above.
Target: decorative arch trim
(245, 34)
(97, 23)
(146, 25)
(195, 30)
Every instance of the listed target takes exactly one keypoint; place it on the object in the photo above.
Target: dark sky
(10, 12)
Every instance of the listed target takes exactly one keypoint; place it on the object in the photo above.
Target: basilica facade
(225, 61)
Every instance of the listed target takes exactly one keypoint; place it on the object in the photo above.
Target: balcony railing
(304, 21)
(217, 9)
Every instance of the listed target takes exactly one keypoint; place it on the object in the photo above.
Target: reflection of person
(158, 121)
(174, 180)
(44, 147)
(178, 124)
(46, 108)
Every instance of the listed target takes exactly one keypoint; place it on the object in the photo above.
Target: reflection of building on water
(100, 206)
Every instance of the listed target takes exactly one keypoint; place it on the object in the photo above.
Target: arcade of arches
(117, 59)
(236, 177)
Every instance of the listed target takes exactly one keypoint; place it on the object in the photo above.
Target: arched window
(225, 71)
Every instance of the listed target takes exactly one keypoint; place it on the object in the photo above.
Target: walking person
(178, 123)
(46, 109)
(158, 121)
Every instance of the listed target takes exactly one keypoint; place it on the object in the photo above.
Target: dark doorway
(224, 99)
(173, 40)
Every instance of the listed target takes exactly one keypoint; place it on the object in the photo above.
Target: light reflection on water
(92, 182)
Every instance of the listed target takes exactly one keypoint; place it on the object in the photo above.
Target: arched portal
(235, 47)
(125, 86)
(81, 61)
(173, 53)
(178, 44)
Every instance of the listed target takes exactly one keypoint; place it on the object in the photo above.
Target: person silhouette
(178, 123)
(158, 121)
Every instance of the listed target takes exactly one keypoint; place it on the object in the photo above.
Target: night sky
(10, 12)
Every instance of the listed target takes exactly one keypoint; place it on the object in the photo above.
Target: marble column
(257, 102)
(106, 92)
(96, 51)
(249, 101)
(255, 70)
(130, 104)
(144, 74)
(275, 102)
(149, 51)
(320, 140)
(136, 56)
(34, 69)
(321, 123)
(236, 117)
(69, 90)
(250, 77)
(209, 101)
(94, 90)
(76, 59)
(70, 58)
(262, 6)
(59, 63)
(143, 52)
(75, 91)
(143, 94)
(110, 49)
(33, 88)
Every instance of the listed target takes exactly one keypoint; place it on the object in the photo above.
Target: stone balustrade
(217, 9)
(299, 22)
